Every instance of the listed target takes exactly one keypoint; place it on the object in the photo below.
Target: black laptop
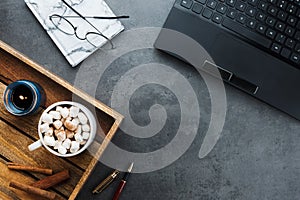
(255, 44)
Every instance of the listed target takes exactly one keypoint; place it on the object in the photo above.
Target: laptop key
(197, 8)
(280, 26)
(217, 18)
(270, 21)
(211, 4)
(241, 18)
(237, 28)
(231, 13)
(251, 23)
(261, 29)
(285, 53)
(241, 6)
(261, 16)
(292, 20)
(295, 58)
(272, 10)
(282, 15)
(207, 13)
(250, 11)
(290, 43)
(186, 3)
(289, 31)
(276, 48)
(280, 38)
(263, 5)
(271, 33)
(221, 8)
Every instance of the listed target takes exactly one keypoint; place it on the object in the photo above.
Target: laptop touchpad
(238, 57)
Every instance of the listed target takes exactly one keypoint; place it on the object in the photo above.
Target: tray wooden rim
(106, 109)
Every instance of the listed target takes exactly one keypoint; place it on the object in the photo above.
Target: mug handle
(37, 144)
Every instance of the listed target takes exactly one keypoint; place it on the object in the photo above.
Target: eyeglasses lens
(96, 39)
(62, 24)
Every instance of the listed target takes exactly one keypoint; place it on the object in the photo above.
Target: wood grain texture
(12, 70)
(7, 192)
(16, 133)
(28, 124)
(40, 157)
(40, 70)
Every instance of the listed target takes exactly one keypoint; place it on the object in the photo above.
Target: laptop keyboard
(269, 24)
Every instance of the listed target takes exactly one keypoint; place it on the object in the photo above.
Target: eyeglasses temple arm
(99, 17)
(73, 9)
(116, 17)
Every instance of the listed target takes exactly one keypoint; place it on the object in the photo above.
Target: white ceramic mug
(91, 119)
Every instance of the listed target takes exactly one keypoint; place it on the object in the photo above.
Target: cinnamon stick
(32, 190)
(17, 166)
(50, 181)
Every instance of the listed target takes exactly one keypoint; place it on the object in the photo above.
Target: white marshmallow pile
(65, 129)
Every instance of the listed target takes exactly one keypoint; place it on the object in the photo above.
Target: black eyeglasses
(65, 26)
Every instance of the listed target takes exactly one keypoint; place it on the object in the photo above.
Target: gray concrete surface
(257, 157)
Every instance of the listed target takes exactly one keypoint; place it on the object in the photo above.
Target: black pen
(122, 183)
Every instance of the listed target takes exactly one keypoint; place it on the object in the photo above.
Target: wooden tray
(16, 133)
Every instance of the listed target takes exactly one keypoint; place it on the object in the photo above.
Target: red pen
(122, 183)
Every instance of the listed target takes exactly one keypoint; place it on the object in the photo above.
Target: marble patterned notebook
(74, 49)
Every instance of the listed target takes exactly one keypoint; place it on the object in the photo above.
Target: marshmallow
(61, 135)
(85, 135)
(49, 140)
(55, 114)
(70, 134)
(78, 137)
(44, 127)
(74, 146)
(64, 112)
(76, 121)
(58, 108)
(86, 127)
(57, 144)
(67, 143)
(62, 150)
(70, 125)
(49, 132)
(74, 111)
(82, 118)
(78, 130)
(57, 124)
(47, 118)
